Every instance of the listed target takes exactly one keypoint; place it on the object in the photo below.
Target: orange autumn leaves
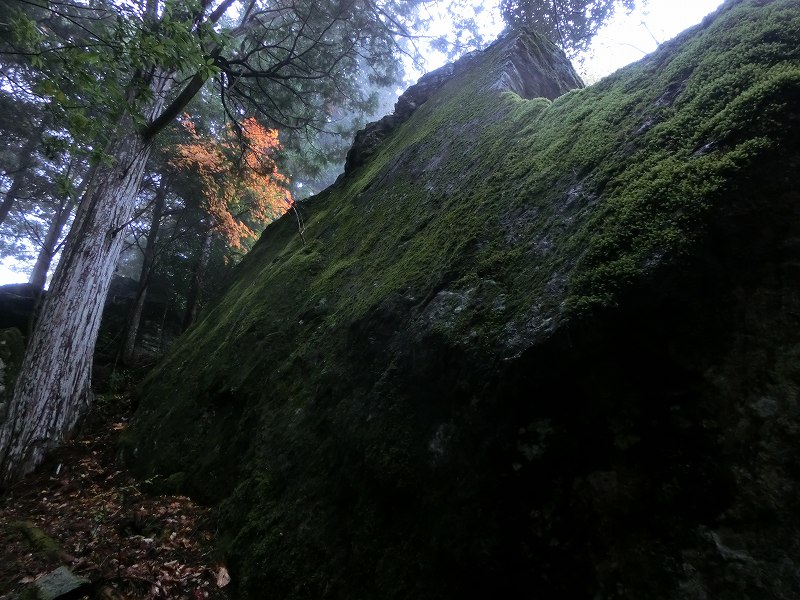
(241, 186)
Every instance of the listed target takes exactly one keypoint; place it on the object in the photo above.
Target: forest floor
(82, 509)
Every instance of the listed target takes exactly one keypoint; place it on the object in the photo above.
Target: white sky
(625, 39)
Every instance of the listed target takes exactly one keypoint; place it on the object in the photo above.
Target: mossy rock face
(545, 346)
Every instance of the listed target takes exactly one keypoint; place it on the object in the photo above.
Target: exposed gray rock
(61, 584)
(524, 67)
(533, 68)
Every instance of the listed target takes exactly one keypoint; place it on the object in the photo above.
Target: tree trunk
(38, 276)
(53, 391)
(11, 194)
(135, 315)
(193, 300)
(48, 250)
(26, 161)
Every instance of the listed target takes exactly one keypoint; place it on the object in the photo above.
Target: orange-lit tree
(240, 187)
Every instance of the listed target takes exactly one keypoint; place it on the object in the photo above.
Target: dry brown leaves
(128, 543)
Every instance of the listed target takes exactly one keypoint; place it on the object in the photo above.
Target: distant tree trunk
(12, 193)
(135, 315)
(38, 277)
(53, 391)
(198, 277)
(48, 250)
(26, 161)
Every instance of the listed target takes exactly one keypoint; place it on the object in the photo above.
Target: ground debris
(83, 510)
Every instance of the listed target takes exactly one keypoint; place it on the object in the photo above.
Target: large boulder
(525, 347)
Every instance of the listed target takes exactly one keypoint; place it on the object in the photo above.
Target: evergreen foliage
(569, 23)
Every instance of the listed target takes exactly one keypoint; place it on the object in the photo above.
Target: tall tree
(232, 188)
(285, 60)
(148, 260)
(241, 188)
(237, 177)
(569, 23)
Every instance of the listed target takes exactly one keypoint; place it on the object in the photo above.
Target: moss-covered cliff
(526, 346)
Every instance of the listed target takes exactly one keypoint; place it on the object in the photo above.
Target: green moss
(38, 540)
(479, 226)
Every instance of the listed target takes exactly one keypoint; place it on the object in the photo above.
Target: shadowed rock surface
(528, 348)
